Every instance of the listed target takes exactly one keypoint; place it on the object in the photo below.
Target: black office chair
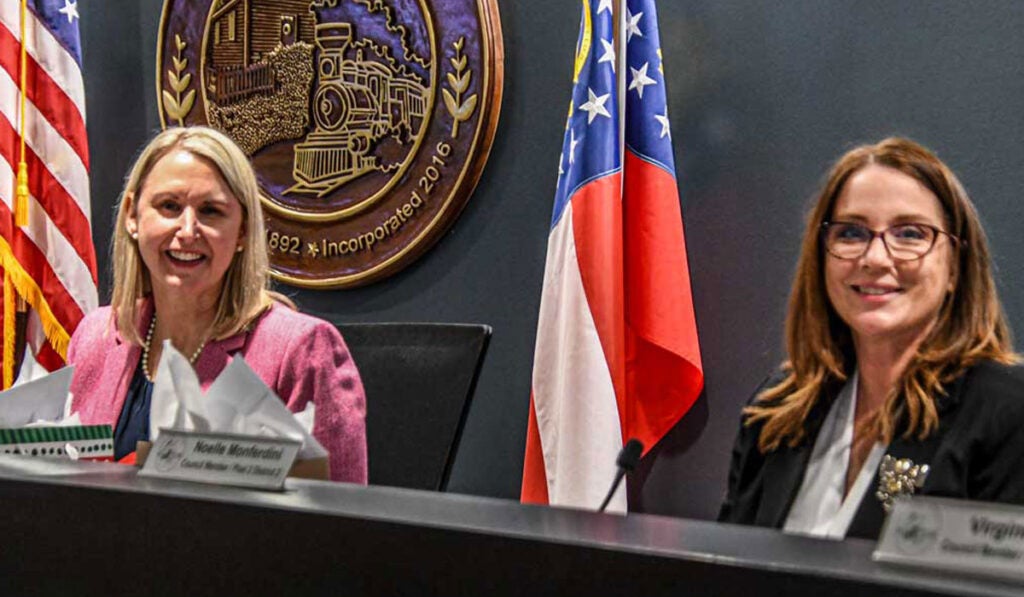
(419, 380)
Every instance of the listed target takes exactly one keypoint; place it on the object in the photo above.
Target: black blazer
(977, 453)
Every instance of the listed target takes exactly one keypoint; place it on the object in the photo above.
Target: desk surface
(78, 525)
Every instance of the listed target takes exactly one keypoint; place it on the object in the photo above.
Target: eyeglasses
(903, 242)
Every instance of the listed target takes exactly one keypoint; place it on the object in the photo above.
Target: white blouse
(819, 509)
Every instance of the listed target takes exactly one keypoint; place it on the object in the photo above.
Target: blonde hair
(245, 292)
(971, 326)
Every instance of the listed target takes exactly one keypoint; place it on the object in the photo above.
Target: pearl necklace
(149, 342)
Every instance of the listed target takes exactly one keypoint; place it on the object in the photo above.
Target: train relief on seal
(368, 121)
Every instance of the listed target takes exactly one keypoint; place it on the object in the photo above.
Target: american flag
(616, 355)
(49, 261)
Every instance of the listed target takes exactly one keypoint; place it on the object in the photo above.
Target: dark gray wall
(763, 95)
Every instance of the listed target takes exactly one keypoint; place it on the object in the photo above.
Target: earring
(135, 236)
(239, 249)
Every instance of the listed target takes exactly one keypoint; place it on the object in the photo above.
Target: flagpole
(620, 74)
(20, 215)
(13, 303)
(21, 189)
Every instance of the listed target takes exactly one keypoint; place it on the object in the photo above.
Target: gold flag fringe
(57, 336)
(9, 331)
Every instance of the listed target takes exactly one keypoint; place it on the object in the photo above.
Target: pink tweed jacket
(300, 357)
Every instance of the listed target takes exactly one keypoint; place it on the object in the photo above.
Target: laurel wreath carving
(459, 109)
(178, 106)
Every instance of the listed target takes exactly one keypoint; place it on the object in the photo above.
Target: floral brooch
(898, 478)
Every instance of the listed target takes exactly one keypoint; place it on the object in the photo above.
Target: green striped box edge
(35, 435)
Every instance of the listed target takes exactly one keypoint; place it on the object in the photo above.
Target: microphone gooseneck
(627, 460)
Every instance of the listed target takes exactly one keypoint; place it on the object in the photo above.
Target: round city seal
(368, 121)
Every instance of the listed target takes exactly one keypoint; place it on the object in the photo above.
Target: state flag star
(572, 147)
(663, 121)
(640, 79)
(605, 5)
(633, 25)
(594, 105)
(70, 10)
(609, 54)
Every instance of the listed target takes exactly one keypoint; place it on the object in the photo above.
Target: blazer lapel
(783, 473)
(867, 522)
(216, 356)
(105, 403)
(784, 468)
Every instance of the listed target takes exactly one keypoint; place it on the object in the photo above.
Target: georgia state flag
(616, 354)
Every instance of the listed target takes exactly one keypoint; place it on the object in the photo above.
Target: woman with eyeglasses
(900, 377)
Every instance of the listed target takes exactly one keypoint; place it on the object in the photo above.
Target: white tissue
(38, 396)
(306, 416)
(237, 402)
(176, 402)
(31, 370)
(71, 420)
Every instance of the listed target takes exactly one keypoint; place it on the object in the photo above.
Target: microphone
(629, 457)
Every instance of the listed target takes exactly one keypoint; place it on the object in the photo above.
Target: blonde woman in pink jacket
(190, 265)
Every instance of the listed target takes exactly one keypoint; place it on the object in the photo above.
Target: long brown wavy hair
(970, 327)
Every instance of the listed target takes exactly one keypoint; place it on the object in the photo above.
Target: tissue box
(93, 442)
(312, 468)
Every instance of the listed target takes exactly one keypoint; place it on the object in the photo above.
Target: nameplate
(955, 535)
(221, 458)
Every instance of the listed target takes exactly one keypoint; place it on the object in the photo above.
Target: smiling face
(188, 226)
(877, 297)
